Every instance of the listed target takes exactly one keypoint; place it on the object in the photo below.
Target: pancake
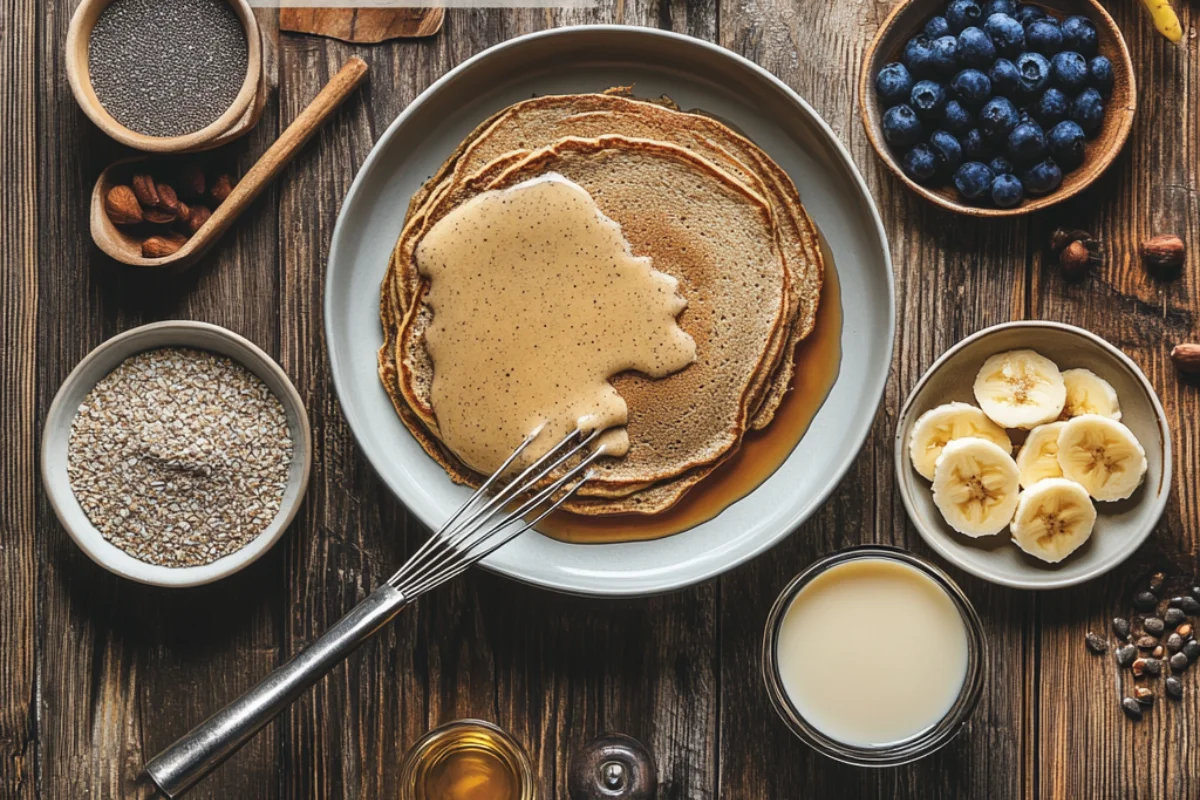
(700, 224)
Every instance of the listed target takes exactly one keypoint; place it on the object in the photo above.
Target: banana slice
(1102, 456)
(975, 486)
(1054, 517)
(1020, 389)
(1088, 393)
(1038, 457)
(946, 423)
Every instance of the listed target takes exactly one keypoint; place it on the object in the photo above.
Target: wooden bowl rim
(78, 41)
(1124, 114)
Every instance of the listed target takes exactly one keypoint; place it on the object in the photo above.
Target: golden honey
(467, 760)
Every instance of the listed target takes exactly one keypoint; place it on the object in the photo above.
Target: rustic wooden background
(98, 673)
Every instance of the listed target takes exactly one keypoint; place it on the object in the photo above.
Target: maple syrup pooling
(537, 302)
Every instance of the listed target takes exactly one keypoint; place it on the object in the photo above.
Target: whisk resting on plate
(479, 527)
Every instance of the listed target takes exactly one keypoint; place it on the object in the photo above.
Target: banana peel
(1165, 19)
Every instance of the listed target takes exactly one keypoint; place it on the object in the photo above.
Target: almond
(121, 206)
(167, 199)
(143, 188)
(158, 216)
(163, 245)
(1163, 252)
(222, 185)
(1187, 358)
(196, 219)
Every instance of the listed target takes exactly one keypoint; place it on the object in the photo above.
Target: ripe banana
(975, 486)
(1038, 457)
(944, 424)
(1054, 517)
(1101, 455)
(1020, 389)
(1088, 393)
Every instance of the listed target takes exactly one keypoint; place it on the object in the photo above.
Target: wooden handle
(272, 162)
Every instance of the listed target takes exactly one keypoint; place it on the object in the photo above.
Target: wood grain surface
(97, 674)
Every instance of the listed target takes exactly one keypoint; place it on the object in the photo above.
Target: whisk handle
(180, 766)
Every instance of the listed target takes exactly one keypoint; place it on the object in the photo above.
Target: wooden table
(98, 673)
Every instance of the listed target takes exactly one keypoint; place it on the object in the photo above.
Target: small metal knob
(612, 767)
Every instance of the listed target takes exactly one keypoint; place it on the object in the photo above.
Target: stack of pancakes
(708, 207)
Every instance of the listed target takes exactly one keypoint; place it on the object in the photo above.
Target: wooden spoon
(127, 249)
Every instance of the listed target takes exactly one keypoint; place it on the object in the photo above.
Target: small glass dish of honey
(467, 759)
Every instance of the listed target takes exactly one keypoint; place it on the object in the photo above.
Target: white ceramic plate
(697, 75)
(1121, 527)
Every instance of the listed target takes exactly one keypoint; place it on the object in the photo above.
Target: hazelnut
(121, 206)
(1065, 236)
(1075, 260)
(1163, 253)
(1187, 359)
(143, 187)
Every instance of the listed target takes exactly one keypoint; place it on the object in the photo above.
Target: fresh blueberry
(997, 118)
(1026, 143)
(973, 179)
(918, 56)
(1001, 166)
(928, 100)
(1067, 143)
(1007, 34)
(901, 126)
(894, 83)
(1007, 190)
(1026, 14)
(1008, 7)
(1051, 108)
(943, 55)
(1088, 110)
(1069, 71)
(937, 26)
(1043, 177)
(1035, 72)
(956, 118)
(1044, 37)
(971, 87)
(974, 146)
(961, 13)
(1100, 73)
(947, 149)
(1006, 80)
(975, 48)
(920, 163)
(1079, 34)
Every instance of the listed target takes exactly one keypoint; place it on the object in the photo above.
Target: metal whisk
(470, 534)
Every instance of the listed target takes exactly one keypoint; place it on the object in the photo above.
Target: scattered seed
(1184, 630)
(1154, 626)
(1144, 601)
(1179, 662)
(1152, 666)
(1192, 650)
(1174, 686)
(1096, 643)
(1132, 708)
(1120, 627)
(1147, 642)
(1139, 667)
(1175, 602)
(1157, 652)
(1196, 592)
(1174, 642)
(1156, 581)
(1174, 617)
(1190, 605)
(1126, 655)
(1144, 695)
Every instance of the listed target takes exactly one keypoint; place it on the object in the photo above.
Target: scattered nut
(222, 185)
(1147, 642)
(1174, 616)
(1152, 666)
(1132, 708)
(191, 181)
(1154, 626)
(1163, 253)
(1120, 627)
(1139, 667)
(1144, 695)
(1126, 655)
(1096, 643)
(1158, 652)
(1174, 642)
(1062, 237)
(167, 199)
(1179, 662)
(1191, 649)
(159, 216)
(1075, 260)
(1186, 358)
(121, 206)
(1174, 686)
(143, 187)
(162, 246)
(1184, 630)
(196, 218)
(1144, 601)
(1189, 605)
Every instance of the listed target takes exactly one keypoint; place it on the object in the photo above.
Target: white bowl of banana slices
(1034, 455)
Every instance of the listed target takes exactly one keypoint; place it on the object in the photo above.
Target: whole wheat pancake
(695, 221)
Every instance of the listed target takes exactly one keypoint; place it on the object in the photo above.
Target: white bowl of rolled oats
(176, 453)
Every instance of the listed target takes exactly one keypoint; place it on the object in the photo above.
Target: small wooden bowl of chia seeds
(176, 453)
(167, 76)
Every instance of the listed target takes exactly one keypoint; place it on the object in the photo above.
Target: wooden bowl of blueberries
(996, 108)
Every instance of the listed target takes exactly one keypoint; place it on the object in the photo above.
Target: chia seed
(180, 457)
(167, 67)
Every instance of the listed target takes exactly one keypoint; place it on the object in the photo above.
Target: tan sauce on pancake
(818, 362)
(537, 302)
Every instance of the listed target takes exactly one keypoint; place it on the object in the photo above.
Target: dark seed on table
(1196, 592)
(1184, 630)
(1096, 643)
(1157, 652)
(1132, 708)
(1156, 581)
(1154, 626)
(1179, 662)
(1152, 666)
(1126, 655)
(1192, 650)
(1190, 605)
(1175, 602)
(1174, 616)
(1147, 642)
(1144, 601)
(1120, 627)
(1174, 686)
(1139, 667)
(1144, 695)
(1174, 642)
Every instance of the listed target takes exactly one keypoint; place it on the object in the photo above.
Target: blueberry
(947, 149)
(1007, 34)
(1100, 75)
(918, 56)
(1035, 72)
(961, 13)
(901, 126)
(1088, 110)
(1007, 190)
(894, 83)
(1079, 34)
(1001, 166)
(1006, 80)
(943, 55)
(937, 26)
(1069, 71)
(971, 87)
(975, 48)
(1026, 14)
(997, 118)
(1066, 141)
(1051, 108)
(973, 179)
(1043, 177)
(920, 163)
(1026, 143)
(1008, 7)
(928, 100)
(1044, 37)
(957, 119)
(974, 146)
